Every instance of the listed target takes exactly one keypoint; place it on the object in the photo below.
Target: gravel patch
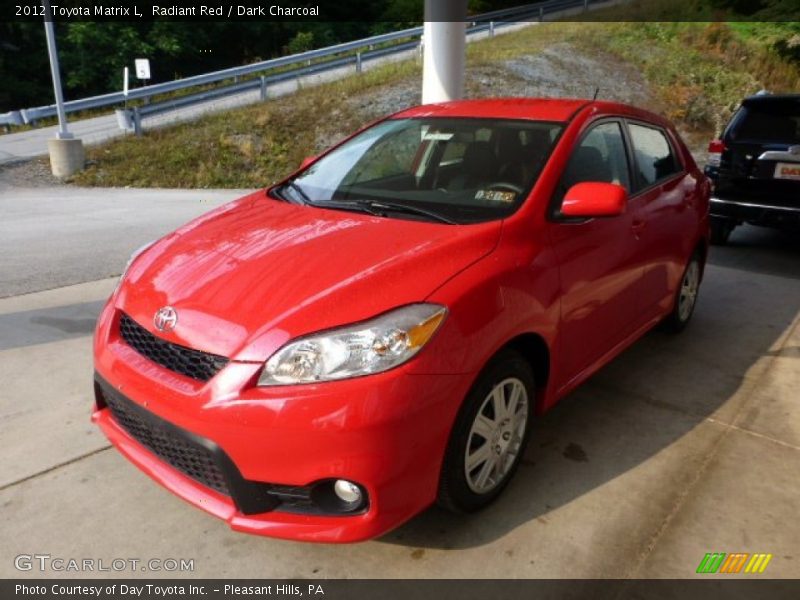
(369, 106)
(562, 71)
(34, 173)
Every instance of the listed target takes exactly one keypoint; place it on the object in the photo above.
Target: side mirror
(307, 161)
(594, 199)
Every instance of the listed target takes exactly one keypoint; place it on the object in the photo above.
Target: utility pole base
(67, 157)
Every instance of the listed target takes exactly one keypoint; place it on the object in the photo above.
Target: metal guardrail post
(124, 118)
(585, 5)
(28, 117)
(263, 88)
(137, 121)
(541, 14)
(491, 28)
(359, 65)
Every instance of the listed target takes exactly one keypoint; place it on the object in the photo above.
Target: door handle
(638, 226)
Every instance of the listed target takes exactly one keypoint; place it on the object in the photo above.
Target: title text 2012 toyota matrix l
(327, 358)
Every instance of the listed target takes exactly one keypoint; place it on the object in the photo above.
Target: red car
(327, 358)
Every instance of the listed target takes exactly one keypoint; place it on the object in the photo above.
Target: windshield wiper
(353, 205)
(381, 205)
(379, 208)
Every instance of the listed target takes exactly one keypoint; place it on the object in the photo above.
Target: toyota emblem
(165, 319)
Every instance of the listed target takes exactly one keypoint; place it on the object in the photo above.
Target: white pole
(125, 82)
(443, 50)
(63, 133)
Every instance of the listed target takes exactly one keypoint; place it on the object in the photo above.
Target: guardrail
(11, 118)
(330, 58)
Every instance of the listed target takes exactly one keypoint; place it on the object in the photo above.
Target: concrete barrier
(67, 156)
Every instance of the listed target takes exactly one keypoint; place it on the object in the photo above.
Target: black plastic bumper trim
(250, 497)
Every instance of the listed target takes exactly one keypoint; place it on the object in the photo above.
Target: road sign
(142, 68)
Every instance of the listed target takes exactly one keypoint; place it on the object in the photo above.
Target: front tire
(489, 436)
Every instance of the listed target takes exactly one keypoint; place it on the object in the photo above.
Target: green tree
(301, 42)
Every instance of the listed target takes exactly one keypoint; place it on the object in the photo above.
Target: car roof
(758, 98)
(533, 109)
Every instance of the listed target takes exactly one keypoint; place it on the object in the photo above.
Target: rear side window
(767, 121)
(653, 154)
(600, 156)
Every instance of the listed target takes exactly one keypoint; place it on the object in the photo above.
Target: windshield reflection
(462, 169)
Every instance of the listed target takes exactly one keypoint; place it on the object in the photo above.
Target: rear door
(665, 222)
(761, 160)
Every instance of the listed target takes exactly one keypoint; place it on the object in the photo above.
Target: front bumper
(386, 432)
(757, 213)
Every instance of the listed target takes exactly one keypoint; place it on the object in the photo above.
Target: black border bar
(251, 11)
(711, 588)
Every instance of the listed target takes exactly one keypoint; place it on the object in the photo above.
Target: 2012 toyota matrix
(324, 359)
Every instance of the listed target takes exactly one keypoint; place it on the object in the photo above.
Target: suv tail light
(715, 150)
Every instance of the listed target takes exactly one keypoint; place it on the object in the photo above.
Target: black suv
(755, 166)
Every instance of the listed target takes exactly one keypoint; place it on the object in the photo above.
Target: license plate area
(787, 170)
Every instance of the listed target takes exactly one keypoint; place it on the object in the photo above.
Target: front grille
(186, 361)
(166, 441)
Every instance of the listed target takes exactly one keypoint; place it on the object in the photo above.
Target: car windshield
(460, 170)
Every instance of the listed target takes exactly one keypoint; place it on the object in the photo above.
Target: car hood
(251, 275)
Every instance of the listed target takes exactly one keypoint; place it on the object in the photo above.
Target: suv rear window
(767, 121)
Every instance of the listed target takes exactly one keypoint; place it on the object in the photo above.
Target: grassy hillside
(696, 74)
(700, 71)
(241, 148)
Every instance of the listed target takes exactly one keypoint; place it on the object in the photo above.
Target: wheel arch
(701, 248)
(536, 352)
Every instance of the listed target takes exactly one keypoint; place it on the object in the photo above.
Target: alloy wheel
(689, 288)
(496, 436)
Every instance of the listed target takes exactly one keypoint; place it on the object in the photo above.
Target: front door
(600, 271)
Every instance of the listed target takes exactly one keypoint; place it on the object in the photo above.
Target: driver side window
(599, 156)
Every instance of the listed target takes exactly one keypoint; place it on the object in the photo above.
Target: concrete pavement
(52, 237)
(683, 445)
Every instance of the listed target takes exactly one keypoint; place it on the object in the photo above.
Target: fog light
(347, 491)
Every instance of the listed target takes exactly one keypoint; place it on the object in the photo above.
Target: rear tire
(489, 436)
(721, 230)
(685, 297)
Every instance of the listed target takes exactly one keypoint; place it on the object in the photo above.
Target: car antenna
(596, 91)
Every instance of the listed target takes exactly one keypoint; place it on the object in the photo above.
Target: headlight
(362, 349)
(133, 257)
